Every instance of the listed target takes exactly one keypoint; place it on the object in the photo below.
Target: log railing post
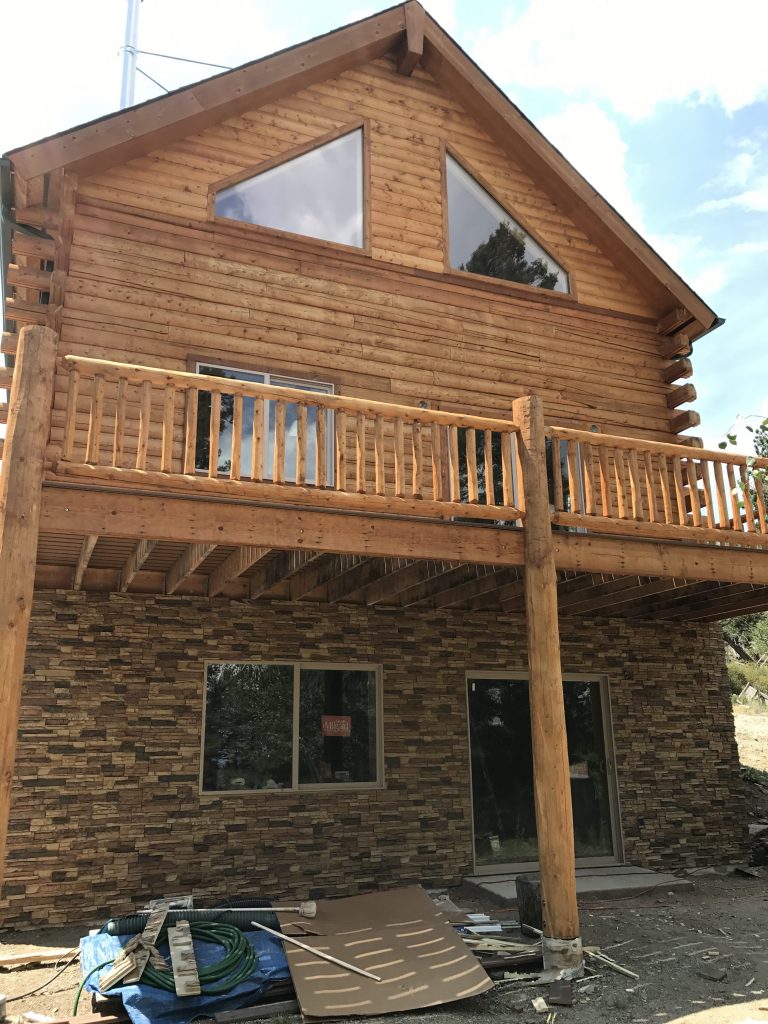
(20, 497)
(552, 784)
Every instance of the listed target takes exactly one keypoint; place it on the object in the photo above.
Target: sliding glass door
(504, 817)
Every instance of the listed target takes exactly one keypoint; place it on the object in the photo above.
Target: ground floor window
(290, 726)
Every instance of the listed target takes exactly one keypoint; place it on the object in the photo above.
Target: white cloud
(626, 54)
(754, 199)
(749, 248)
(710, 280)
(592, 141)
(739, 169)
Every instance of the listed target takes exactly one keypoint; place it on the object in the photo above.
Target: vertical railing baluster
(635, 496)
(145, 414)
(650, 488)
(320, 446)
(470, 447)
(757, 483)
(257, 439)
(214, 432)
(734, 493)
(166, 451)
(693, 491)
(708, 502)
(436, 452)
(399, 458)
(606, 498)
(236, 456)
(278, 462)
(93, 447)
(723, 514)
(677, 476)
(340, 426)
(360, 454)
(749, 512)
(118, 438)
(301, 443)
(589, 479)
(574, 490)
(621, 487)
(490, 482)
(666, 496)
(507, 476)
(453, 442)
(190, 431)
(70, 425)
(417, 456)
(557, 475)
(378, 455)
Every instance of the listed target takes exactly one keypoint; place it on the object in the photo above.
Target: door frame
(521, 675)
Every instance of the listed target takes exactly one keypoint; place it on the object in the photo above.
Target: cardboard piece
(399, 935)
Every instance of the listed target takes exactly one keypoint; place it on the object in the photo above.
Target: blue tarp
(147, 1005)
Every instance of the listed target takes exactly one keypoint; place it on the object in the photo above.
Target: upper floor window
(291, 425)
(318, 193)
(485, 239)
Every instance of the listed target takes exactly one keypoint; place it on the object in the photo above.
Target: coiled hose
(239, 962)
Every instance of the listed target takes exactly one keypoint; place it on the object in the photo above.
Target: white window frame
(283, 380)
(295, 786)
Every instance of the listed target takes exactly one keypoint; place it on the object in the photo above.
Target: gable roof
(410, 32)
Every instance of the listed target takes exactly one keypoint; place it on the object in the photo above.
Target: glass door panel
(502, 771)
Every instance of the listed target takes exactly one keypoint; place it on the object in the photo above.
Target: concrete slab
(617, 880)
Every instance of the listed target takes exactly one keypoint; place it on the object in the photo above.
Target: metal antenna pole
(129, 54)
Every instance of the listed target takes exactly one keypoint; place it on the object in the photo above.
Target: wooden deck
(378, 503)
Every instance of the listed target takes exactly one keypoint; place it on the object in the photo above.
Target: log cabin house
(333, 388)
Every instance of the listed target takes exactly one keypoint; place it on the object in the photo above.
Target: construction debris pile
(388, 952)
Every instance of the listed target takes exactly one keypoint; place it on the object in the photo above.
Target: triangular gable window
(319, 193)
(484, 239)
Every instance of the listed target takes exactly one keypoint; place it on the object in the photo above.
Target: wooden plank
(185, 976)
(188, 561)
(73, 387)
(470, 446)
(93, 447)
(748, 512)
(301, 442)
(340, 424)
(320, 446)
(574, 478)
(637, 528)
(681, 395)
(134, 562)
(552, 784)
(399, 450)
(634, 485)
(145, 417)
(417, 459)
(166, 458)
(234, 565)
(413, 45)
(214, 431)
(360, 453)
(42, 956)
(20, 500)
(118, 434)
(694, 495)
(257, 445)
(557, 476)
(723, 512)
(190, 432)
(86, 550)
(453, 463)
(282, 567)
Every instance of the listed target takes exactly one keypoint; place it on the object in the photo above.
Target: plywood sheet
(399, 935)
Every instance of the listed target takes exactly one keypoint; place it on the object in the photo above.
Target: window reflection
(226, 426)
(484, 239)
(319, 194)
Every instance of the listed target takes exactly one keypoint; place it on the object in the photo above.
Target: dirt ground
(702, 955)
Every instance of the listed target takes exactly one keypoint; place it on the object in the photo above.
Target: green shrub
(737, 677)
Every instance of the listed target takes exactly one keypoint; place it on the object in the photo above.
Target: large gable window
(318, 193)
(277, 726)
(484, 239)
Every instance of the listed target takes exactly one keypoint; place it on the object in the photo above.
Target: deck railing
(162, 428)
(630, 486)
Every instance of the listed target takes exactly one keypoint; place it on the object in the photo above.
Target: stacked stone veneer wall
(106, 807)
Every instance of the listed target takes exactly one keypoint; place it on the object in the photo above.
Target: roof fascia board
(122, 136)
(448, 63)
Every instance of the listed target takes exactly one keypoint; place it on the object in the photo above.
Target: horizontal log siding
(409, 119)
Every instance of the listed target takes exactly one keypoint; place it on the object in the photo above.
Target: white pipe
(129, 51)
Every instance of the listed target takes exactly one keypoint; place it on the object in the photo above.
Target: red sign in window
(337, 725)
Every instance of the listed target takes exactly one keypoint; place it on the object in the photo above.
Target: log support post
(21, 482)
(552, 785)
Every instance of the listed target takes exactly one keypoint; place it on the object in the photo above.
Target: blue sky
(662, 106)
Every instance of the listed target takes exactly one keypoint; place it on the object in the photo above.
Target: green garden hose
(239, 962)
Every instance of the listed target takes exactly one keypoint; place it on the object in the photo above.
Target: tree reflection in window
(498, 484)
(485, 239)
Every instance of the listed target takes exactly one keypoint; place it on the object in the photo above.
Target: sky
(662, 106)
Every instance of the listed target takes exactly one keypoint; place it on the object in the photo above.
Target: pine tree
(503, 255)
